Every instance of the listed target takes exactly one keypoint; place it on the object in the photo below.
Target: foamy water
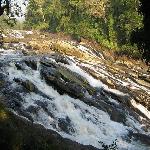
(85, 124)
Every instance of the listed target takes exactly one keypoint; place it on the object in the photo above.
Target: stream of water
(70, 117)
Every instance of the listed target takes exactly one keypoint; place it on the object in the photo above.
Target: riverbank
(64, 92)
(91, 53)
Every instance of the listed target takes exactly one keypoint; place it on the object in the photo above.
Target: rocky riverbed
(77, 93)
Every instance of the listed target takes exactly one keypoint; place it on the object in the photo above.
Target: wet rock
(65, 125)
(25, 52)
(27, 84)
(69, 83)
(49, 72)
(20, 65)
(124, 99)
(1, 64)
(75, 89)
(25, 114)
(145, 77)
(1, 39)
(60, 58)
(117, 116)
(31, 63)
(98, 93)
(18, 131)
(63, 80)
(12, 99)
(144, 139)
(47, 63)
(2, 80)
(16, 103)
(33, 109)
(29, 47)
(42, 104)
(42, 94)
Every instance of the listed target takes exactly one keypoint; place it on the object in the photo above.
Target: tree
(109, 22)
(141, 36)
(4, 5)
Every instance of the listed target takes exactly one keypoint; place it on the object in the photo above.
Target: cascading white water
(87, 124)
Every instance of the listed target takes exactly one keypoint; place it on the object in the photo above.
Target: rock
(20, 65)
(63, 81)
(70, 83)
(145, 139)
(12, 99)
(63, 85)
(27, 84)
(117, 116)
(31, 63)
(29, 47)
(60, 58)
(19, 132)
(42, 104)
(16, 103)
(76, 89)
(124, 99)
(1, 39)
(25, 114)
(2, 80)
(65, 125)
(25, 52)
(33, 109)
(145, 77)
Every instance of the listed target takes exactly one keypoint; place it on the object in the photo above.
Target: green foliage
(6, 22)
(42, 26)
(10, 24)
(130, 51)
(109, 22)
(126, 18)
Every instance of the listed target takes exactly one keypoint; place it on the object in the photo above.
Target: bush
(131, 51)
(42, 26)
(76, 37)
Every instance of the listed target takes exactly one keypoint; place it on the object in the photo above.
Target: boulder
(31, 63)
(63, 80)
(33, 109)
(144, 139)
(20, 65)
(65, 125)
(60, 58)
(144, 77)
(27, 84)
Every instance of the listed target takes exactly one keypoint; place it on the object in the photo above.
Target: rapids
(31, 95)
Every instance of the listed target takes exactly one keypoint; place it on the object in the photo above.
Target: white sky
(23, 8)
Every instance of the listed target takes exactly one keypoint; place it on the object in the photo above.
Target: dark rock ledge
(19, 134)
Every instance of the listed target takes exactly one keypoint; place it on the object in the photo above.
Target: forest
(120, 25)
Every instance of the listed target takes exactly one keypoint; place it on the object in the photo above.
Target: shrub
(42, 26)
(129, 50)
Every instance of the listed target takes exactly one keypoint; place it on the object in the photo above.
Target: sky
(23, 8)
